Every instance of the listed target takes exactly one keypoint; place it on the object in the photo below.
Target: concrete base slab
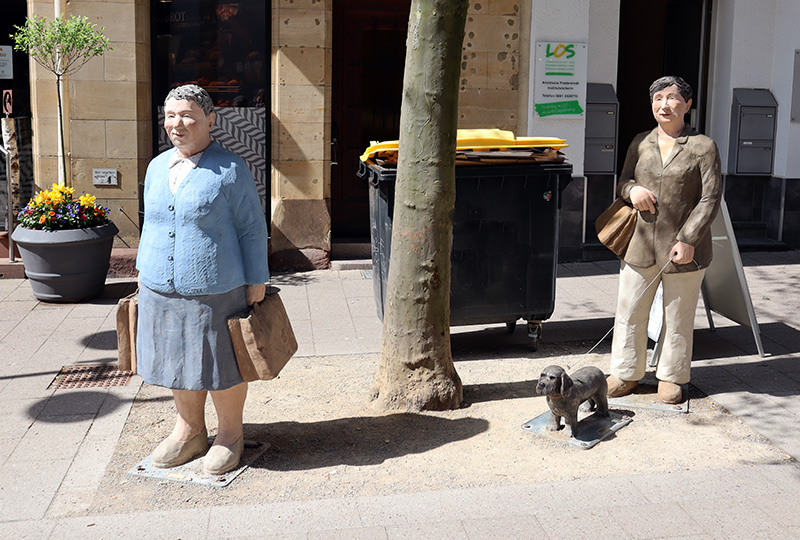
(192, 472)
(591, 430)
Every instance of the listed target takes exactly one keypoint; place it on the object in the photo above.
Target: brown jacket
(688, 188)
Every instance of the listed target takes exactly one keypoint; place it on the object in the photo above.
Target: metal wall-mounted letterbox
(601, 129)
(753, 123)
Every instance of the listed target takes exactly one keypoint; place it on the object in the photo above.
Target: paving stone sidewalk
(55, 444)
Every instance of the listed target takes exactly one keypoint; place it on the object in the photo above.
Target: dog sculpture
(565, 394)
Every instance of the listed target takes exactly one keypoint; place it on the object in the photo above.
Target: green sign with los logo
(560, 85)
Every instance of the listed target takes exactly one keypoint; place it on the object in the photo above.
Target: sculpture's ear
(566, 385)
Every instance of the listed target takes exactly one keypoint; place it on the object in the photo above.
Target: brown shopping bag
(615, 226)
(127, 315)
(263, 339)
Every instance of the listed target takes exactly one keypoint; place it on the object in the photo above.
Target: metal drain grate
(90, 376)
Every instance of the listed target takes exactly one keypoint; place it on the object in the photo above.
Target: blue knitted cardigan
(208, 238)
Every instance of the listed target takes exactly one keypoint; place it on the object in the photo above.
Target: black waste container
(505, 241)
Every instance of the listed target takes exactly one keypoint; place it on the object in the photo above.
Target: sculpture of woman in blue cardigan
(202, 258)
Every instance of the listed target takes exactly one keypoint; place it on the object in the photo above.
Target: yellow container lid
(479, 139)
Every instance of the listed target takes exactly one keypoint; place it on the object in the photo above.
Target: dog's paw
(553, 426)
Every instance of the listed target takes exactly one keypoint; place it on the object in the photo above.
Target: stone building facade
(302, 102)
(315, 57)
(108, 107)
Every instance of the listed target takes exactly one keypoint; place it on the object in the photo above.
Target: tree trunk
(416, 370)
(62, 172)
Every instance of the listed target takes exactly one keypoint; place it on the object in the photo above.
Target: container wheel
(535, 334)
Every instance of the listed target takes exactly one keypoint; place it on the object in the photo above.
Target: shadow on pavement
(102, 341)
(770, 258)
(732, 341)
(481, 393)
(575, 337)
(114, 291)
(559, 338)
(31, 374)
(66, 407)
(70, 406)
(292, 278)
(483, 343)
(777, 377)
(357, 441)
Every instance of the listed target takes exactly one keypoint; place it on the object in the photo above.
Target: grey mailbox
(752, 144)
(601, 129)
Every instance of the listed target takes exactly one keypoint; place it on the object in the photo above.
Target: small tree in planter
(61, 46)
(65, 244)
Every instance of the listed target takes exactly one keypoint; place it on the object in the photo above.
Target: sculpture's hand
(682, 253)
(643, 199)
(255, 293)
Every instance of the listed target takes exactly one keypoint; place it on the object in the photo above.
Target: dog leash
(634, 303)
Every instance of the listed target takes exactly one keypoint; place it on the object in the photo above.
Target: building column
(301, 100)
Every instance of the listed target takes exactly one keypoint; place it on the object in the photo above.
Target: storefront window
(218, 45)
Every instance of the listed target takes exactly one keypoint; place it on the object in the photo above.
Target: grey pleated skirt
(183, 342)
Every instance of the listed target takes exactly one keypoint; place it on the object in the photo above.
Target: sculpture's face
(669, 107)
(187, 126)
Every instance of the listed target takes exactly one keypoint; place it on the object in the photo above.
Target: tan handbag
(127, 315)
(615, 226)
(263, 340)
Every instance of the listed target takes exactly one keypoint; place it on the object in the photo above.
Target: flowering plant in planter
(57, 209)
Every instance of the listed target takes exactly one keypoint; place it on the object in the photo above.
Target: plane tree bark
(415, 371)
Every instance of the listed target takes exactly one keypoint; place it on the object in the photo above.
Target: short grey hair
(192, 92)
(665, 82)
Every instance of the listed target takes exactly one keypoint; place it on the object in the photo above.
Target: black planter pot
(66, 266)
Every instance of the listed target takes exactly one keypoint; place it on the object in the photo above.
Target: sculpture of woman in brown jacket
(672, 177)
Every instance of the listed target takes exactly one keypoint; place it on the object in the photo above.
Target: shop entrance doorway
(368, 57)
(16, 100)
(14, 72)
(657, 38)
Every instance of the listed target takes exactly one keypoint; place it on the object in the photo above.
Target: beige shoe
(619, 388)
(221, 459)
(669, 393)
(171, 453)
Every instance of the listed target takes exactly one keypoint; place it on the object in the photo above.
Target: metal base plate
(192, 472)
(591, 430)
(646, 397)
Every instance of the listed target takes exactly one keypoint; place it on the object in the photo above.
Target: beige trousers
(629, 345)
